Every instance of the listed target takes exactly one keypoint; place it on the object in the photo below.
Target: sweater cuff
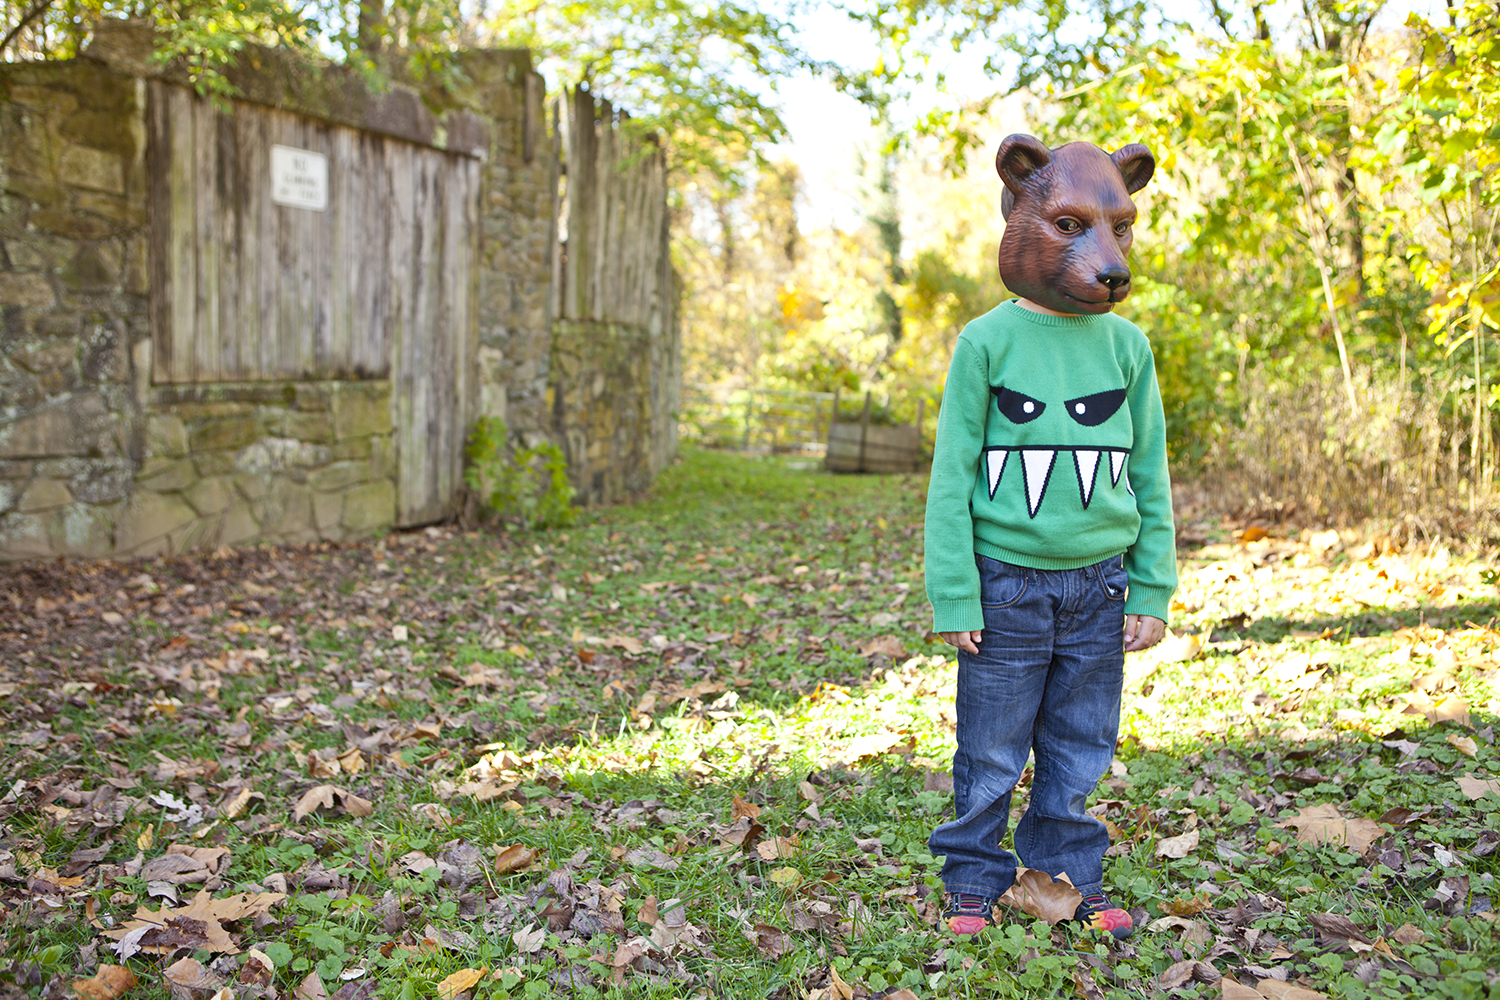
(958, 616)
(1153, 601)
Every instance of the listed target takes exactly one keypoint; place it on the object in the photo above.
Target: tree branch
(21, 25)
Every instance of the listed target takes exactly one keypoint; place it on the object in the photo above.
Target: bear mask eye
(1121, 228)
(1093, 410)
(1017, 407)
(1068, 225)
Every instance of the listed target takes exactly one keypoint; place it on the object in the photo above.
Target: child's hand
(1142, 632)
(966, 641)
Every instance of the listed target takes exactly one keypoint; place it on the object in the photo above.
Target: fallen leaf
(775, 849)
(108, 983)
(330, 797)
(197, 925)
(1451, 709)
(1178, 847)
(1232, 990)
(1176, 974)
(311, 988)
(884, 645)
(1324, 824)
(1174, 648)
(787, 876)
(1476, 788)
(1407, 934)
(739, 807)
(837, 988)
(1464, 745)
(513, 858)
(530, 939)
(1275, 989)
(459, 981)
(190, 974)
(1038, 894)
(771, 942)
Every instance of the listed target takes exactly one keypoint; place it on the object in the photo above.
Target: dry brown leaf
(837, 988)
(1230, 989)
(770, 941)
(775, 849)
(513, 858)
(1174, 648)
(1464, 745)
(196, 925)
(311, 988)
(739, 807)
(530, 939)
(1178, 847)
(1452, 709)
(1407, 934)
(1275, 989)
(1475, 788)
(887, 645)
(874, 745)
(330, 797)
(1176, 974)
(1324, 824)
(459, 981)
(108, 983)
(902, 995)
(1187, 907)
(190, 974)
(1036, 893)
(631, 645)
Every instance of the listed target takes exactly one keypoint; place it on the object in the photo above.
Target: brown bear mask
(1068, 218)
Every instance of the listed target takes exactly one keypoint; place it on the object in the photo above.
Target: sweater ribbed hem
(1030, 561)
(1153, 601)
(964, 615)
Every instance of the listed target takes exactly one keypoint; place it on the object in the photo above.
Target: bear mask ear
(1136, 165)
(1017, 161)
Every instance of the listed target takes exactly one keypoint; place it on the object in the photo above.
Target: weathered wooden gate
(284, 248)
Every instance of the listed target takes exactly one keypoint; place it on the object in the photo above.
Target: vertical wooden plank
(159, 207)
(374, 331)
(229, 249)
(249, 196)
(182, 246)
(399, 252)
(342, 168)
(318, 261)
(205, 241)
(268, 280)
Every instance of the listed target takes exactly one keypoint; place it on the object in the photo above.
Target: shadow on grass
(1371, 622)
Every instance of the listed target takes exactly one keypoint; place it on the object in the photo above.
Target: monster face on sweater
(1078, 426)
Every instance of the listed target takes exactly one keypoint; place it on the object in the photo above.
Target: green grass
(621, 691)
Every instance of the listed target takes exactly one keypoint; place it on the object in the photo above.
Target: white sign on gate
(299, 178)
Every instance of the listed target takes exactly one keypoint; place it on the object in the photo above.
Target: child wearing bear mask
(1050, 546)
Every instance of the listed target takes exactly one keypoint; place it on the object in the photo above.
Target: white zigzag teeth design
(1036, 466)
(1116, 466)
(995, 468)
(1086, 464)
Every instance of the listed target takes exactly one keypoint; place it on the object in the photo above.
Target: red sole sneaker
(1116, 923)
(966, 925)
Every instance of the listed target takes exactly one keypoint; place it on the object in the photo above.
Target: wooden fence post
(864, 430)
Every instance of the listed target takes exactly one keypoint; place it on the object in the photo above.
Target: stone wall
(73, 299)
(97, 461)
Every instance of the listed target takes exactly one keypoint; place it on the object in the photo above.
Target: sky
(827, 129)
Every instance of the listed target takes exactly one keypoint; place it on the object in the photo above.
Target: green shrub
(528, 489)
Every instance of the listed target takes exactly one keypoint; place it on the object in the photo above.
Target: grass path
(694, 747)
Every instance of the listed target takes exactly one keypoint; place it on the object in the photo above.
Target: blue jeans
(1047, 680)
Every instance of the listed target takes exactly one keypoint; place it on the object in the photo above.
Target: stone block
(353, 448)
(370, 507)
(290, 512)
(10, 491)
(65, 222)
(44, 494)
(88, 271)
(147, 519)
(48, 432)
(31, 291)
(224, 433)
(166, 435)
(215, 463)
(85, 531)
(25, 536)
(238, 525)
(167, 476)
(45, 357)
(338, 476)
(312, 427)
(361, 413)
(328, 513)
(201, 534)
(210, 496)
(252, 486)
(102, 484)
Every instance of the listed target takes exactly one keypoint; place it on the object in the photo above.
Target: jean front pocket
(1000, 583)
(1112, 578)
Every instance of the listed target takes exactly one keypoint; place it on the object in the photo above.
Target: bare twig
(21, 25)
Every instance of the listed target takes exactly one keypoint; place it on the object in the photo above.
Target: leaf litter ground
(694, 748)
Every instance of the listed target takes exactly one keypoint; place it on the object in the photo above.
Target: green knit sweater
(1051, 454)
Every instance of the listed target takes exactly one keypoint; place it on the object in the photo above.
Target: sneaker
(969, 913)
(1097, 913)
